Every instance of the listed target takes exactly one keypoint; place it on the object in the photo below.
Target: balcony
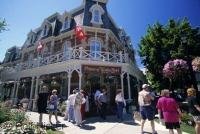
(76, 54)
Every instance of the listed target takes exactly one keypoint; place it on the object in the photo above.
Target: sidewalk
(97, 126)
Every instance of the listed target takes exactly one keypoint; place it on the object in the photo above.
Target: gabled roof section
(53, 17)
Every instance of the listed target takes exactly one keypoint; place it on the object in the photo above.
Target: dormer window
(96, 16)
(97, 12)
(45, 30)
(66, 23)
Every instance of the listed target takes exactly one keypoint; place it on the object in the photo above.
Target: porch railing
(79, 54)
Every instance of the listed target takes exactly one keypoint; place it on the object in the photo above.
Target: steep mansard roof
(80, 15)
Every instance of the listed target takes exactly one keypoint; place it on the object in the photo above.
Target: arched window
(66, 23)
(95, 48)
(96, 16)
(97, 12)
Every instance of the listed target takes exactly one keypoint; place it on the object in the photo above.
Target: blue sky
(133, 15)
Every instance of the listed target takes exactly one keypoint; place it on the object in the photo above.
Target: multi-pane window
(95, 48)
(96, 16)
(45, 30)
(66, 23)
(67, 50)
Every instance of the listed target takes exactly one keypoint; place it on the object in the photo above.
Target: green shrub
(25, 127)
(4, 113)
(187, 119)
(18, 116)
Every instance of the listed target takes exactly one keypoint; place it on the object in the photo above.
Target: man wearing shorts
(146, 109)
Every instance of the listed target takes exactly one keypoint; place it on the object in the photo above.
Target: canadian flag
(40, 46)
(79, 33)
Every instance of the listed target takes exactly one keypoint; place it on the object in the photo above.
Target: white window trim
(47, 24)
(67, 45)
(101, 12)
(64, 16)
(68, 25)
(95, 52)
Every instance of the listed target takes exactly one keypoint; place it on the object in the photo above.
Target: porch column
(80, 78)
(52, 46)
(107, 39)
(16, 93)
(69, 83)
(35, 94)
(122, 83)
(81, 52)
(129, 87)
(31, 94)
(13, 92)
(120, 56)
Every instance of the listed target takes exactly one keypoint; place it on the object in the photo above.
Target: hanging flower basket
(174, 68)
(196, 64)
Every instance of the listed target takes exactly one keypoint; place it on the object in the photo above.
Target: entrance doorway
(102, 81)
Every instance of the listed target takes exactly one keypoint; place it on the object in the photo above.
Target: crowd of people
(168, 109)
(78, 105)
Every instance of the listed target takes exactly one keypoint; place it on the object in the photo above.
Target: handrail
(79, 54)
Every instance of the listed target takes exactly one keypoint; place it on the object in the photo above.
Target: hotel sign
(101, 69)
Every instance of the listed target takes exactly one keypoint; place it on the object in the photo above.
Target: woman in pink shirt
(171, 112)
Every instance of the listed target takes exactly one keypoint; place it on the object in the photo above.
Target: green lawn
(187, 128)
(54, 132)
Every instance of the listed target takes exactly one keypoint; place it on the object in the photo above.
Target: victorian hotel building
(82, 48)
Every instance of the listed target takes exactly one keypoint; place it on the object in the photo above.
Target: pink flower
(196, 64)
(173, 68)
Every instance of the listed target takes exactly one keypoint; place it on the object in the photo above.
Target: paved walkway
(97, 126)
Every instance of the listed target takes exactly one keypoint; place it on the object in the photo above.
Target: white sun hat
(145, 86)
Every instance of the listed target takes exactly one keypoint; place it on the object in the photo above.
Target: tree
(3, 25)
(162, 43)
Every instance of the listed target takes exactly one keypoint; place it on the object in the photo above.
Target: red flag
(40, 46)
(79, 33)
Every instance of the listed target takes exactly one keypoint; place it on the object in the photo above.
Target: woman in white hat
(121, 103)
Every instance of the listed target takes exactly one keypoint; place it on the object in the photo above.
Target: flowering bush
(196, 64)
(25, 127)
(174, 68)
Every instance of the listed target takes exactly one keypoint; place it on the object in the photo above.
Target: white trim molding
(97, 12)
(66, 20)
(46, 24)
(102, 1)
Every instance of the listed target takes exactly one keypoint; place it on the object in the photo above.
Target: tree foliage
(175, 40)
(3, 25)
